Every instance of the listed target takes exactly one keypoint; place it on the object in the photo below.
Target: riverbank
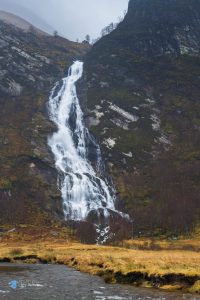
(165, 269)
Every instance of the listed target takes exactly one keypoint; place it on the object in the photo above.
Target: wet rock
(3, 43)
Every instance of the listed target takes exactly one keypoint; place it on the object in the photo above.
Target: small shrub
(108, 278)
(16, 252)
(5, 184)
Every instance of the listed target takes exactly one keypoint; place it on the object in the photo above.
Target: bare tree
(55, 33)
(86, 232)
(87, 38)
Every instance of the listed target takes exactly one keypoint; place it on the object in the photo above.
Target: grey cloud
(71, 18)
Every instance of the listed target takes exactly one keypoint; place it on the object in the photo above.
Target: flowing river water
(82, 189)
(46, 282)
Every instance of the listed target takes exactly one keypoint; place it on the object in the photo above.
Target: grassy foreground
(166, 268)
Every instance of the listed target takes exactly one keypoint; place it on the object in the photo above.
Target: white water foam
(82, 189)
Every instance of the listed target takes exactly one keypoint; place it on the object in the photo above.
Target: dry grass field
(162, 264)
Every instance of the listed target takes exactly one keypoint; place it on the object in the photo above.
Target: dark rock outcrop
(162, 27)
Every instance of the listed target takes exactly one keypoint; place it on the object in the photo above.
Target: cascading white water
(82, 189)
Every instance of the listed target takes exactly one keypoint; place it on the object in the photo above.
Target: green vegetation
(5, 184)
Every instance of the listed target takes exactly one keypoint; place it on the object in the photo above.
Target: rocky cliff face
(162, 27)
(30, 64)
(143, 87)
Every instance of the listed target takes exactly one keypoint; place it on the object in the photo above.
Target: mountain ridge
(19, 22)
(156, 28)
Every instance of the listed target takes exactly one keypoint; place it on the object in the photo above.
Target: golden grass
(171, 258)
(94, 259)
(195, 288)
(192, 244)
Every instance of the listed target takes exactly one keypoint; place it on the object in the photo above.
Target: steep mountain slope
(16, 21)
(30, 64)
(143, 87)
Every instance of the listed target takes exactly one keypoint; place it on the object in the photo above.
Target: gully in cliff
(83, 191)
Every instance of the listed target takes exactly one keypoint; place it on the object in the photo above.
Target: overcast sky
(71, 18)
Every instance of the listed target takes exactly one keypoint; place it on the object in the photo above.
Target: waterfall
(82, 187)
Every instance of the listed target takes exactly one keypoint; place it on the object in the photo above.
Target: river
(46, 282)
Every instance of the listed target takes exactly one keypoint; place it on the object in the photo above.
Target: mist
(72, 19)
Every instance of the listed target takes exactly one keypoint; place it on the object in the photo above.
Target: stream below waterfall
(46, 282)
